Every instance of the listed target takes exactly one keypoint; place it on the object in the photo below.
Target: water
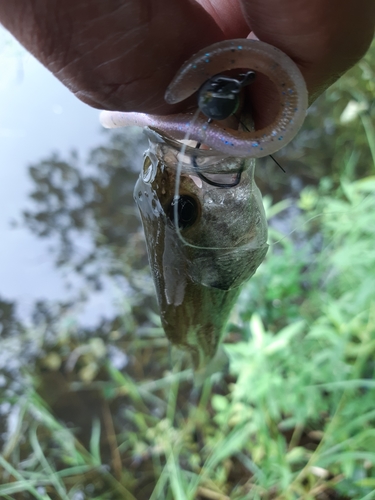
(38, 115)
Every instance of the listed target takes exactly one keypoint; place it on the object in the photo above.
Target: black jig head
(219, 97)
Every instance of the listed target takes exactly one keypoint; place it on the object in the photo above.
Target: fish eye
(187, 210)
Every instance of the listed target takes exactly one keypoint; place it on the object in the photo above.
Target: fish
(202, 212)
(222, 240)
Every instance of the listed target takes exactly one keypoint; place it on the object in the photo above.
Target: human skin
(122, 54)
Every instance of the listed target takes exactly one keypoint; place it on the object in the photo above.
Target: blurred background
(91, 405)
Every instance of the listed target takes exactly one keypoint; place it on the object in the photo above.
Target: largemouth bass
(222, 240)
(208, 237)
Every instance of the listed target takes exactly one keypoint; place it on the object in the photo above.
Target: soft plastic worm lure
(218, 58)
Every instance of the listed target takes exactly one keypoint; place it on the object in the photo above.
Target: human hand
(122, 54)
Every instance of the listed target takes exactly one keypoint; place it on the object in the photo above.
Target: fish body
(199, 269)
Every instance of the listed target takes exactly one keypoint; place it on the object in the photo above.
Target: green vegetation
(294, 417)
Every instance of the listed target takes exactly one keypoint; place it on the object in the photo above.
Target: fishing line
(277, 163)
(176, 196)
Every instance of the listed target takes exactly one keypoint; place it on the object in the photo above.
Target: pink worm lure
(223, 56)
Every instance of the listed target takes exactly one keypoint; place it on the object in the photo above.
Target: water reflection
(88, 210)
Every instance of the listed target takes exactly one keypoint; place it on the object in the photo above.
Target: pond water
(38, 116)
